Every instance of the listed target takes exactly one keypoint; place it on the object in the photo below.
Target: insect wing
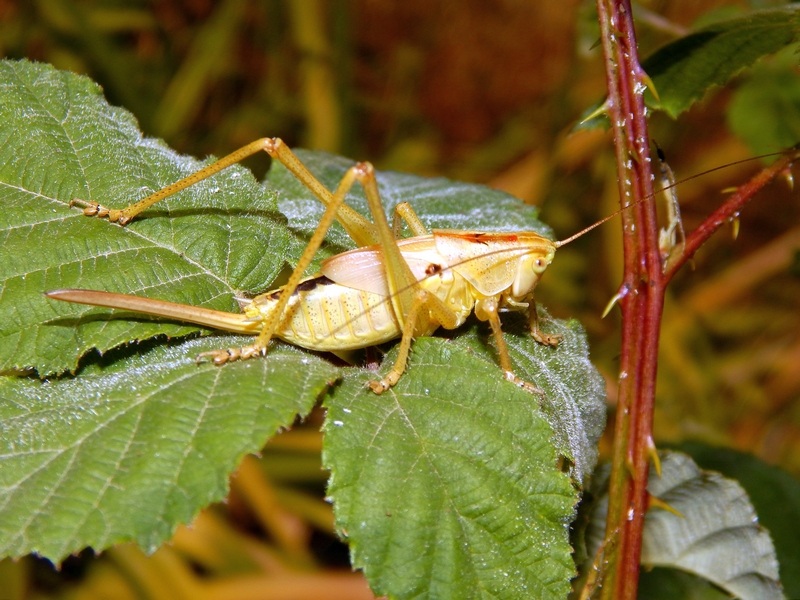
(363, 268)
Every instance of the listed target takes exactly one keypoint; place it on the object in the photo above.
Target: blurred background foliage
(480, 91)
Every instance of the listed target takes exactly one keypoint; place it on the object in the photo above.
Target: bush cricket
(386, 288)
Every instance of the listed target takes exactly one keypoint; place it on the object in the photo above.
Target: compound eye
(528, 274)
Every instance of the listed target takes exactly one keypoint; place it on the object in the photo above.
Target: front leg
(546, 339)
(486, 310)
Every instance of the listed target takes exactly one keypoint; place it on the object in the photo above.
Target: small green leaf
(684, 70)
(446, 484)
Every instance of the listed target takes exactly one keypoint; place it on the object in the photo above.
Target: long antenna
(575, 236)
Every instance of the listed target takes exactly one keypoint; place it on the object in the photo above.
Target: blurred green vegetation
(475, 90)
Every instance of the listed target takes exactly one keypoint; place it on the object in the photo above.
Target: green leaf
(713, 533)
(60, 140)
(443, 494)
(138, 443)
(684, 70)
(224, 236)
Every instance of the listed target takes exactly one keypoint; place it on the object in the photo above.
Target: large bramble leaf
(138, 444)
(59, 141)
(446, 462)
(227, 235)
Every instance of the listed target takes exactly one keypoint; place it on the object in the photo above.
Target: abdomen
(323, 315)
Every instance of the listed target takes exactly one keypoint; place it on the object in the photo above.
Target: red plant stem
(730, 209)
(642, 295)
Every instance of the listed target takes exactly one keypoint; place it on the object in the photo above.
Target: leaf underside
(98, 450)
(775, 495)
(706, 525)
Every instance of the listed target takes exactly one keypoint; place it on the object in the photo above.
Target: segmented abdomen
(323, 315)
